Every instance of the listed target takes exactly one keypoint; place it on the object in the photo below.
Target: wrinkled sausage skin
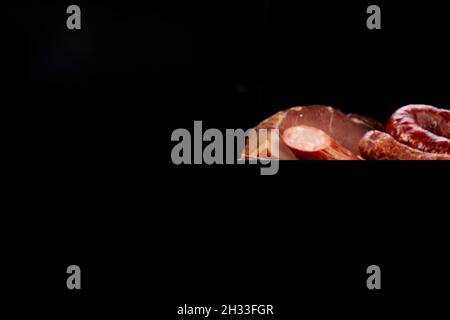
(376, 145)
(422, 127)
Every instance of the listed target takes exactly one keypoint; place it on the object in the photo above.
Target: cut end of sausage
(345, 130)
(306, 138)
(309, 143)
(342, 130)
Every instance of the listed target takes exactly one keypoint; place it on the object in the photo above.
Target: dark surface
(149, 235)
(229, 65)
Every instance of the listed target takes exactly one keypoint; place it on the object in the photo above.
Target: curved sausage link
(422, 127)
(376, 145)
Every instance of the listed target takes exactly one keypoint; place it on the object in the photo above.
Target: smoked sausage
(377, 145)
(421, 127)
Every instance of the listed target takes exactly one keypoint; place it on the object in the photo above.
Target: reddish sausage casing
(376, 145)
(421, 127)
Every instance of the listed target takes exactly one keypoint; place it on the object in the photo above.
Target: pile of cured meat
(413, 132)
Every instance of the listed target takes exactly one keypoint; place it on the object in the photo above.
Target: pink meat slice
(332, 121)
(346, 130)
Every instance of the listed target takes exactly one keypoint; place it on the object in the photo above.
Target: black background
(85, 133)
